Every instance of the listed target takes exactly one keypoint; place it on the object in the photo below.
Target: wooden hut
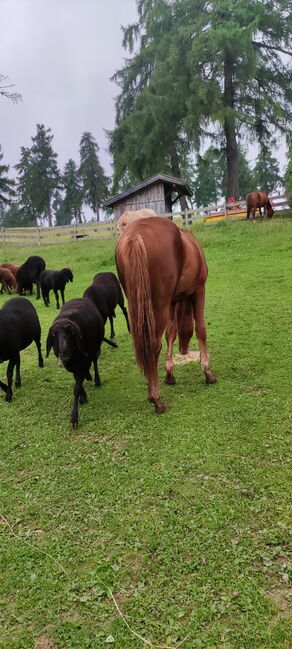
(158, 193)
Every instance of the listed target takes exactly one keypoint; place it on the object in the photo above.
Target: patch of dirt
(43, 642)
(182, 359)
(280, 598)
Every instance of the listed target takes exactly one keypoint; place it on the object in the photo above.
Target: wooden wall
(151, 197)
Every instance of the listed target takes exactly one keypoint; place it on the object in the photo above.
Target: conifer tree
(94, 180)
(44, 173)
(73, 191)
(288, 174)
(210, 69)
(266, 171)
(28, 213)
(6, 183)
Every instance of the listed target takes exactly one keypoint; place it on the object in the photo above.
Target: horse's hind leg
(152, 371)
(201, 334)
(170, 335)
(153, 387)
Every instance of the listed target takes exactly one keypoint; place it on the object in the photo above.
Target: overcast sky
(60, 55)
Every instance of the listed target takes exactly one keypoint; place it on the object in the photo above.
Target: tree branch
(272, 47)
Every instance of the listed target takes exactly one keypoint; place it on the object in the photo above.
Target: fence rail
(45, 235)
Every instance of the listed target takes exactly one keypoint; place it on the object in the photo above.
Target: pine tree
(6, 183)
(94, 181)
(73, 191)
(45, 176)
(217, 67)
(209, 177)
(24, 188)
(288, 174)
(62, 215)
(266, 171)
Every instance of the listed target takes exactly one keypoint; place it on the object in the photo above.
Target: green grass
(183, 518)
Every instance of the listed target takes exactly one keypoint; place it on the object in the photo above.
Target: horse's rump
(149, 258)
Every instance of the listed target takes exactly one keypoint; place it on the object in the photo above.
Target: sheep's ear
(49, 342)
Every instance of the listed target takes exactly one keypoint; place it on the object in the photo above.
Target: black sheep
(76, 336)
(19, 326)
(56, 280)
(29, 274)
(105, 291)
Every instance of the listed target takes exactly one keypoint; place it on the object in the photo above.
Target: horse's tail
(132, 263)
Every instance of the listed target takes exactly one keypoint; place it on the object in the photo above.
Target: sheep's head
(67, 272)
(65, 337)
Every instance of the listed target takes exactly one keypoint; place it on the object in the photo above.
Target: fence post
(3, 235)
(113, 228)
(38, 235)
(225, 211)
(75, 231)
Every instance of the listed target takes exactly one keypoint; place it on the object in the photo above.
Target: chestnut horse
(130, 216)
(257, 200)
(163, 272)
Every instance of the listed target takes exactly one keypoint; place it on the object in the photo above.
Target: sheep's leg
(125, 312)
(77, 391)
(97, 381)
(38, 291)
(62, 295)
(82, 395)
(17, 371)
(46, 298)
(10, 369)
(57, 298)
(39, 348)
(3, 386)
(112, 334)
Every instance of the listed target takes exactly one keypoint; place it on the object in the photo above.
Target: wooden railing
(42, 235)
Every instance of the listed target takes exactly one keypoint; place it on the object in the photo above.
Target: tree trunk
(49, 213)
(97, 212)
(176, 172)
(229, 129)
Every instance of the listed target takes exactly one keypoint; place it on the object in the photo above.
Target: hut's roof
(175, 184)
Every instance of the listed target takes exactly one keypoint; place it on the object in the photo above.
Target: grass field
(165, 531)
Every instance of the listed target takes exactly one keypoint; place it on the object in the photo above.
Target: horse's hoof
(160, 408)
(170, 380)
(82, 399)
(17, 384)
(211, 379)
(8, 397)
(74, 424)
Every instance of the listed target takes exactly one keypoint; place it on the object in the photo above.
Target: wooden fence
(41, 236)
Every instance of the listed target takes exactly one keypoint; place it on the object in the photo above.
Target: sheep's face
(67, 272)
(66, 344)
(66, 340)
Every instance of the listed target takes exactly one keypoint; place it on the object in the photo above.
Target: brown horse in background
(257, 200)
(163, 272)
